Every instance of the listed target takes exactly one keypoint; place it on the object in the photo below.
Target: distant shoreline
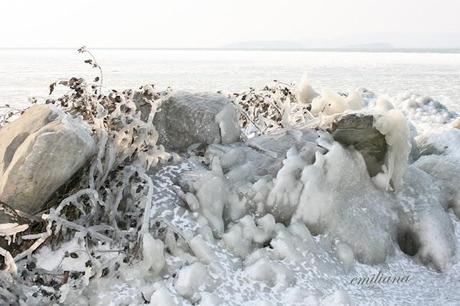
(364, 50)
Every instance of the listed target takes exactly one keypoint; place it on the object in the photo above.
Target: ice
(208, 195)
(248, 233)
(328, 103)
(337, 189)
(163, 297)
(354, 100)
(190, 279)
(426, 229)
(444, 142)
(345, 254)
(153, 252)
(288, 217)
(304, 91)
(270, 272)
(284, 196)
(445, 171)
(394, 126)
(339, 298)
(424, 111)
(383, 105)
(209, 299)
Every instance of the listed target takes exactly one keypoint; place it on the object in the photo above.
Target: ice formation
(330, 102)
(304, 91)
(285, 214)
(394, 126)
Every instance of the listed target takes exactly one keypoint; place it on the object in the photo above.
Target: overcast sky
(215, 23)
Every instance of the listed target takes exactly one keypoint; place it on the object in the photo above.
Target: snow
(290, 218)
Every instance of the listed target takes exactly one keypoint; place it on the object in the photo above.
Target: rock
(185, 119)
(358, 130)
(39, 152)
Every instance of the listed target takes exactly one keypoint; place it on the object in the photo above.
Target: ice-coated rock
(339, 198)
(383, 139)
(39, 152)
(446, 171)
(425, 229)
(188, 118)
(358, 130)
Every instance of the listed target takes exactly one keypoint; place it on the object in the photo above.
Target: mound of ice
(339, 198)
(304, 91)
(425, 229)
(394, 126)
(287, 215)
(424, 111)
(330, 102)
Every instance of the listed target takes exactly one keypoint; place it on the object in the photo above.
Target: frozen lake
(25, 73)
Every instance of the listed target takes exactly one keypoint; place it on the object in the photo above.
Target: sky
(217, 23)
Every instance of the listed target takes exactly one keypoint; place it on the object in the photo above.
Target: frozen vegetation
(278, 196)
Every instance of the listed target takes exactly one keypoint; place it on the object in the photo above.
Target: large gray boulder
(39, 152)
(188, 118)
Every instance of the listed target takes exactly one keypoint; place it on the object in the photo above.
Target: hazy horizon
(212, 24)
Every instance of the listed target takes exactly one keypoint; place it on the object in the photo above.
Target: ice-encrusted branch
(9, 261)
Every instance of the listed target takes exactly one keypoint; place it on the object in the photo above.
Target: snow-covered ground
(319, 232)
(289, 218)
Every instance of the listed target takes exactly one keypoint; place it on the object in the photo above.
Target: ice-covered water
(24, 73)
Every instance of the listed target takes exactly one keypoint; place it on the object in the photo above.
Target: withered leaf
(52, 86)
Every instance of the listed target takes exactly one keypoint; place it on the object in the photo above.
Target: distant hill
(294, 45)
(277, 45)
(370, 46)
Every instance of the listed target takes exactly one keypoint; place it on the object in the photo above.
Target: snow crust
(290, 218)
